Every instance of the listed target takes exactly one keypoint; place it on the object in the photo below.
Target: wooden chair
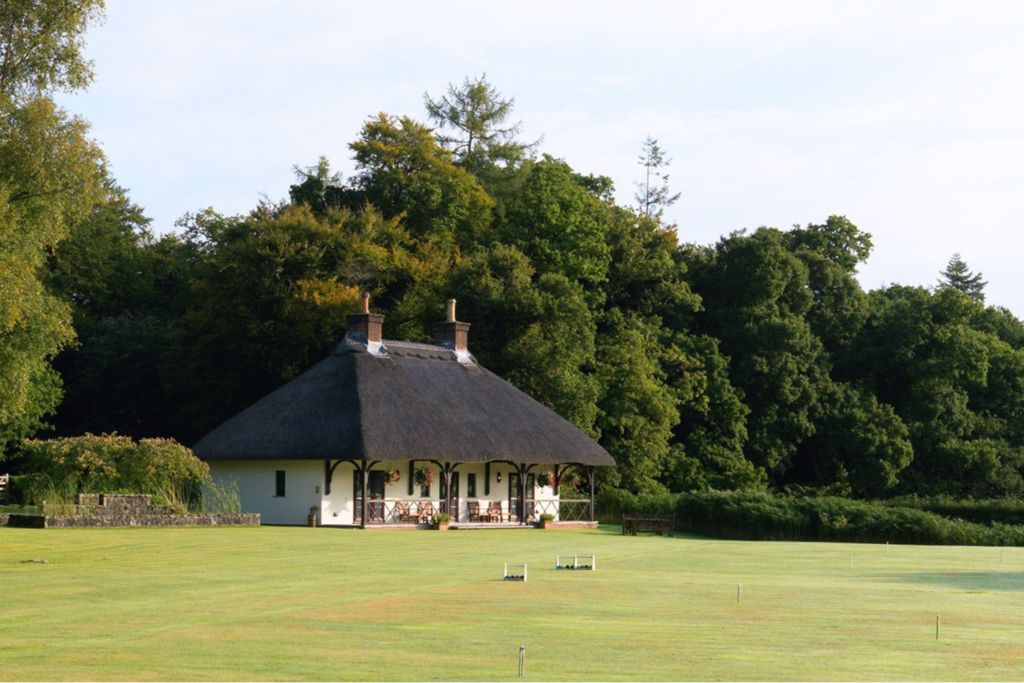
(473, 511)
(425, 512)
(494, 511)
(402, 512)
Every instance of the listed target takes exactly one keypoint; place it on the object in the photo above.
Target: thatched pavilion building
(389, 433)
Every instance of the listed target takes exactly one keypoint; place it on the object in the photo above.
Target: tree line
(756, 362)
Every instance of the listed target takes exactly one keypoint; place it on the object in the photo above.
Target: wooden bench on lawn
(660, 524)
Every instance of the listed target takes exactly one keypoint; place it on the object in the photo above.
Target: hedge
(751, 515)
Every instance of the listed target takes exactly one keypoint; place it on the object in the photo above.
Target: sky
(905, 117)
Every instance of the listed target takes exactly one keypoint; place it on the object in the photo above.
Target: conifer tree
(477, 118)
(652, 194)
(959, 277)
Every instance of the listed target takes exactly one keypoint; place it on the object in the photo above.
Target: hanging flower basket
(545, 479)
(423, 476)
(392, 477)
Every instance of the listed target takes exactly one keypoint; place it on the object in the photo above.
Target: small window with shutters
(279, 488)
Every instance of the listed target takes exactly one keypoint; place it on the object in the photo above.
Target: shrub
(752, 515)
(1003, 511)
(115, 464)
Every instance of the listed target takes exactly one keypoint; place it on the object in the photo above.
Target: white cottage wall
(305, 488)
(257, 485)
(339, 506)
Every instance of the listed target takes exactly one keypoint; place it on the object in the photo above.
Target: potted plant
(312, 515)
(547, 521)
(441, 521)
(392, 477)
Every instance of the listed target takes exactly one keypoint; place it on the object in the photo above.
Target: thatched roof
(400, 401)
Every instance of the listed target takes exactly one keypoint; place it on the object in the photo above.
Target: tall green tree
(756, 298)
(318, 188)
(860, 446)
(559, 224)
(653, 195)
(831, 252)
(42, 44)
(50, 176)
(708, 444)
(638, 410)
(473, 123)
(951, 383)
(403, 172)
(958, 276)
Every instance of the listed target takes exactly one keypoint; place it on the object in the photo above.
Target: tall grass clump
(55, 500)
(221, 499)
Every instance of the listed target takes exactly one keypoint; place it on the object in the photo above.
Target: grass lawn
(300, 604)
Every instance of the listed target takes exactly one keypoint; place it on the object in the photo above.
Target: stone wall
(114, 510)
(117, 521)
(107, 505)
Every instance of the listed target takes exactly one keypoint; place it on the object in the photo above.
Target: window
(425, 491)
(280, 484)
(471, 485)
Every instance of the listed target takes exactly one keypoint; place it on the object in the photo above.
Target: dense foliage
(757, 362)
(758, 515)
(111, 464)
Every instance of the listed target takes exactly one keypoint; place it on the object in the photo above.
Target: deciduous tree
(50, 176)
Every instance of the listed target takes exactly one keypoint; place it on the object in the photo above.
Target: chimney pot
(452, 333)
(365, 327)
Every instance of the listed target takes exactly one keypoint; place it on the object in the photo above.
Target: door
(357, 496)
(455, 496)
(375, 505)
(514, 497)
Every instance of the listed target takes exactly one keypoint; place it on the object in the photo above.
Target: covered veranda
(522, 505)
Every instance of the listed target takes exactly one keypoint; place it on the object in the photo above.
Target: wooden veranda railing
(421, 511)
(569, 510)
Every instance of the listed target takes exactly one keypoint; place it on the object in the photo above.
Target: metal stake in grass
(937, 620)
(522, 658)
(739, 589)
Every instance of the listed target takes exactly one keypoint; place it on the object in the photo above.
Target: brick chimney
(452, 334)
(365, 327)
